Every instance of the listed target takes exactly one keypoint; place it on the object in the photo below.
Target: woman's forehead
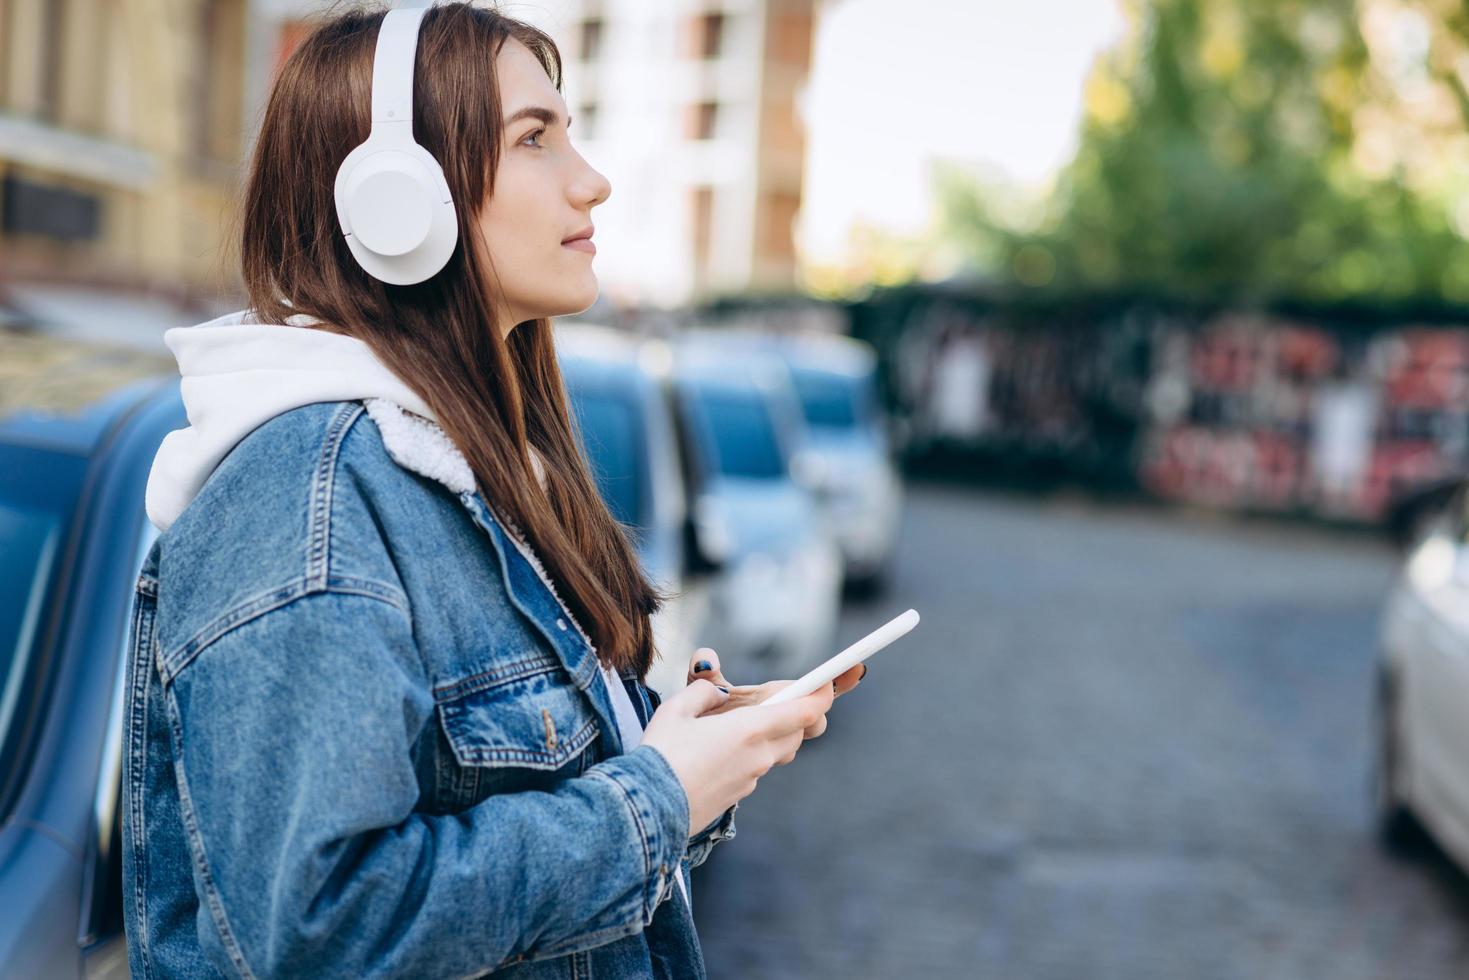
(523, 80)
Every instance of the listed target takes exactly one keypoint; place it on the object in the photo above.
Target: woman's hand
(705, 666)
(719, 755)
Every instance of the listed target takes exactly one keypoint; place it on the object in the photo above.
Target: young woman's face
(543, 196)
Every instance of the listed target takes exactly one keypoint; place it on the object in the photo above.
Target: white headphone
(392, 200)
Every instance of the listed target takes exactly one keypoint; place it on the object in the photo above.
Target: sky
(996, 84)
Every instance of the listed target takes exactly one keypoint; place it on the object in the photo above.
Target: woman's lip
(581, 245)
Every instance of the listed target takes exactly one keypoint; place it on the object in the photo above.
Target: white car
(1423, 690)
(773, 608)
(844, 455)
(847, 449)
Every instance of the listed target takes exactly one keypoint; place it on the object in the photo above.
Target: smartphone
(847, 659)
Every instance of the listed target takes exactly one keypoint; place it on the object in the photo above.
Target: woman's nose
(601, 187)
(594, 188)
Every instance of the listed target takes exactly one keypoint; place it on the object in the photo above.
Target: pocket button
(561, 624)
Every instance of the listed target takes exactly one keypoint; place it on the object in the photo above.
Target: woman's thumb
(698, 697)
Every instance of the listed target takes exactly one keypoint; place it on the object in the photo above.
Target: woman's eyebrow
(547, 116)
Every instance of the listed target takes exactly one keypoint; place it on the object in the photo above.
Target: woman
(385, 702)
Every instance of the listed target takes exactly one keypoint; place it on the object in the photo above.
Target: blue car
(79, 426)
(620, 394)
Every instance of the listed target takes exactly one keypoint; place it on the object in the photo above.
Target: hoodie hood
(239, 373)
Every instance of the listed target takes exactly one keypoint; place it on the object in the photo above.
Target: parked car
(618, 389)
(1423, 689)
(773, 611)
(1411, 512)
(79, 426)
(845, 456)
(856, 481)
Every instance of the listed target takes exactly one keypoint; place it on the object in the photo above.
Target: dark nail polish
(833, 687)
(724, 689)
(702, 666)
(864, 673)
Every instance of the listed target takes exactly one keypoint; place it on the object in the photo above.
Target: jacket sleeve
(703, 842)
(293, 736)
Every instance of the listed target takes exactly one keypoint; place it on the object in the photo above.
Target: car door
(1435, 633)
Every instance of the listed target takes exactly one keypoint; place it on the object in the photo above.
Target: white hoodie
(239, 373)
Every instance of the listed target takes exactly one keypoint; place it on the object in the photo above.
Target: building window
(591, 38)
(48, 211)
(701, 120)
(48, 102)
(710, 36)
(220, 80)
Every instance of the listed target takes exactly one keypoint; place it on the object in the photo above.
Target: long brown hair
(493, 396)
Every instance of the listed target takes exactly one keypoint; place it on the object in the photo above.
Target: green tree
(1256, 149)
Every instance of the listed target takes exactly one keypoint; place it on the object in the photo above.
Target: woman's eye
(534, 136)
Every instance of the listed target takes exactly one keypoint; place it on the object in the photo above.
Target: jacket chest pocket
(521, 727)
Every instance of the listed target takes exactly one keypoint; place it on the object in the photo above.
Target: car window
(38, 490)
(739, 429)
(831, 401)
(612, 432)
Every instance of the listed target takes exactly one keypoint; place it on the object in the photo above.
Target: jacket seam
(495, 677)
(171, 664)
(323, 483)
(549, 761)
(647, 908)
(586, 672)
(137, 724)
(201, 859)
(574, 946)
(521, 543)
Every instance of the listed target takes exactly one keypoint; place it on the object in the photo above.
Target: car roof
(592, 353)
(828, 353)
(717, 362)
(65, 395)
(808, 351)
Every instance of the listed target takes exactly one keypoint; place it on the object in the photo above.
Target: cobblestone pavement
(1121, 744)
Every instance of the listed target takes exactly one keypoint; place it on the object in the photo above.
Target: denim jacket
(365, 737)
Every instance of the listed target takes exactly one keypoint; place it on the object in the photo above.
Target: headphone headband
(392, 66)
(393, 203)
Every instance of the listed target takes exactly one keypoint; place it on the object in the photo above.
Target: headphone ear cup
(394, 208)
(391, 207)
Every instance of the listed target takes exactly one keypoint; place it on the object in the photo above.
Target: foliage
(1251, 150)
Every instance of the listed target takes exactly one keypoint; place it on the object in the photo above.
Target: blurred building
(690, 108)
(122, 131)
(124, 125)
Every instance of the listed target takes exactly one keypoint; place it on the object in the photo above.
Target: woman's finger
(705, 666)
(743, 696)
(816, 730)
(849, 679)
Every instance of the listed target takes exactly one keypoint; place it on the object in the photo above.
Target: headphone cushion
(394, 207)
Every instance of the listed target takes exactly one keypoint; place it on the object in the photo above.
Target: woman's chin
(578, 302)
